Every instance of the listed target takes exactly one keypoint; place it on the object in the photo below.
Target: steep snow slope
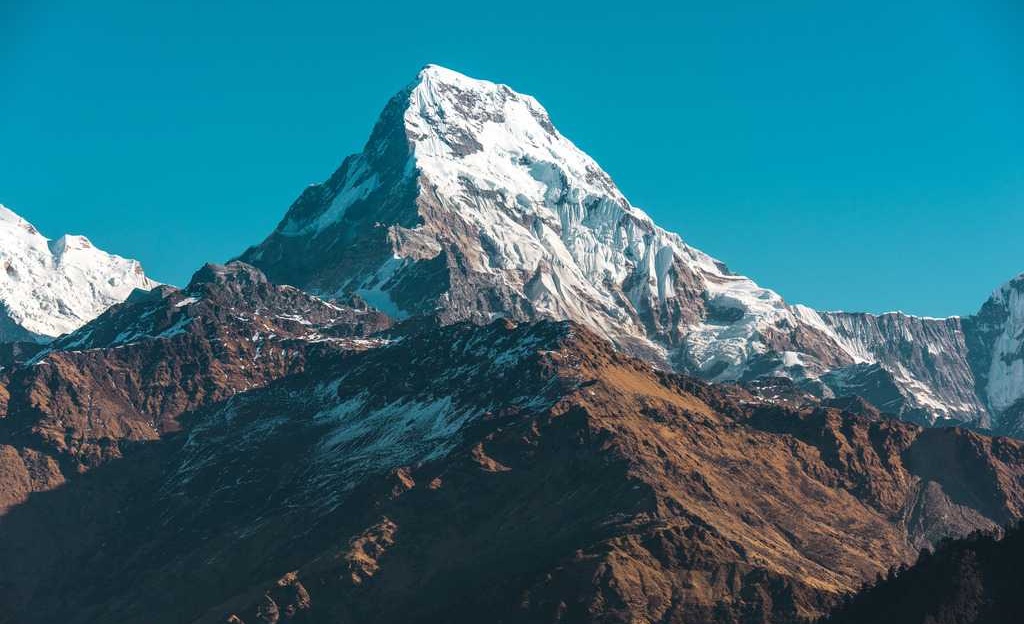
(51, 287)
(466, 203)
(996, 346)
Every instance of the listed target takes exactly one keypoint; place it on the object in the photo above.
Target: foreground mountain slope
(129, 375)
(467, 204)
(52, 287)
(498, 473)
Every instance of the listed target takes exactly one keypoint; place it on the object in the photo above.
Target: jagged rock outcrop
(500, 473)
(916, 368)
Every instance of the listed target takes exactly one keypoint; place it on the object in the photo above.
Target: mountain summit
(468, 204)
(52, 287)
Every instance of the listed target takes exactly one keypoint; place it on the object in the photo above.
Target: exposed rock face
(51, 287)
(919, 370)
(499, 473)
(129, 375)
(468, 204)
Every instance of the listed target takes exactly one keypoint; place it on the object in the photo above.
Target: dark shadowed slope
(974, 580)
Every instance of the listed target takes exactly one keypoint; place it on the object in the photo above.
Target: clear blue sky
(861, 157)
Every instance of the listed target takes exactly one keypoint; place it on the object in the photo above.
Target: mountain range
(464, 379)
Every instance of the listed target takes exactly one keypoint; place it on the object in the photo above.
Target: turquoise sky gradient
(869, 157)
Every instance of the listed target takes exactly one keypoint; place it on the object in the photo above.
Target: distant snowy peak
(52, 287)
(996, 345)
(468, 204)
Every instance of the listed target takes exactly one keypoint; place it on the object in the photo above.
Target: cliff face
(504, 473)
(919, 370)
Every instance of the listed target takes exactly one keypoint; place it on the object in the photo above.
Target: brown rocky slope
(130, 374)
(505, 474)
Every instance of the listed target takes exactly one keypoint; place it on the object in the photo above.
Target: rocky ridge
(131, 374)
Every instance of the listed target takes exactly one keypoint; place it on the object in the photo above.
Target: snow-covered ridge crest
(52, 287)
(537, 199)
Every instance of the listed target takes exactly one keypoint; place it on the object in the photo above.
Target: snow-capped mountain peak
(51, 287)
(468, 204)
